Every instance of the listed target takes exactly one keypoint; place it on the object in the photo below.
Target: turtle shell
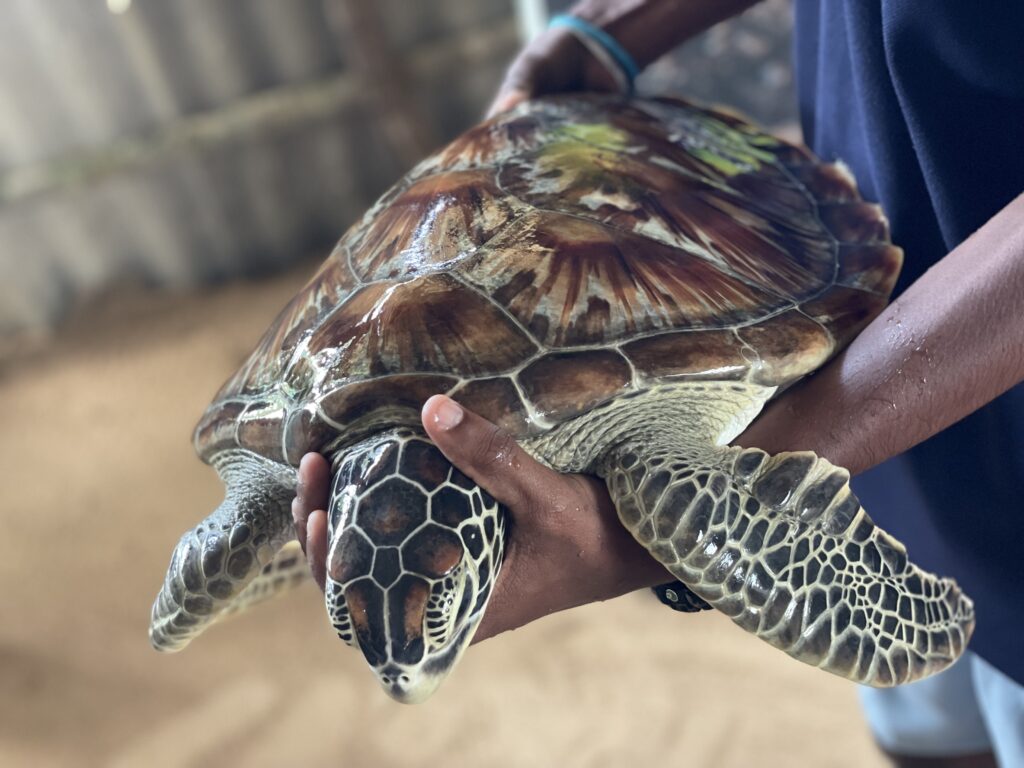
(560, 255)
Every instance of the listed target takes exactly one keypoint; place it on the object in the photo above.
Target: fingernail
(448, 414)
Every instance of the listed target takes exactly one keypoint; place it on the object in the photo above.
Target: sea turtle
(622, 285)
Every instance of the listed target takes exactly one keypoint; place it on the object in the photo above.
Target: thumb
(489, 455)
(506, 100)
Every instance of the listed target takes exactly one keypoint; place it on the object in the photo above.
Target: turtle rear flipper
(782, 546)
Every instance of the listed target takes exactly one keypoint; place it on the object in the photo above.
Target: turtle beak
(413, 684)
(407, 685)
(395, 649)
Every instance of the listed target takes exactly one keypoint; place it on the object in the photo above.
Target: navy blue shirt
(925, 102)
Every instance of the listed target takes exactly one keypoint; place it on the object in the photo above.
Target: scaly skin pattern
(778, 543)
(589, 273)
(214, 563)
(415, 550)
(781, 545)
(570, 252)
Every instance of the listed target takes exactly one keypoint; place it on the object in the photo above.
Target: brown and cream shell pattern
(556, 258)
(621, 285)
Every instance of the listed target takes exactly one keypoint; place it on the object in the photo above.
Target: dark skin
(567, 547)
(951, 343)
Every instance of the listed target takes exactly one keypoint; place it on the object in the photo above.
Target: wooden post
(387, 82)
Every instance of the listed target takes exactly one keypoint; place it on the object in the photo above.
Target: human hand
(565, 544)
(553, 62)
(556, 62)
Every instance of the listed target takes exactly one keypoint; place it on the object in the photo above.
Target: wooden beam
(266, 110)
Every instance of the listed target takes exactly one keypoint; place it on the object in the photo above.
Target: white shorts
(969, 708)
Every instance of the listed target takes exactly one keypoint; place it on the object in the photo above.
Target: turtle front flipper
(414, 551)
(214, 563)
(286, 571)
(782, 546)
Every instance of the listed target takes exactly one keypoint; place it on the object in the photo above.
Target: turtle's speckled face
(415, 547)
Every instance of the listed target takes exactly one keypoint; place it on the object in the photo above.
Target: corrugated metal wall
(190, 140)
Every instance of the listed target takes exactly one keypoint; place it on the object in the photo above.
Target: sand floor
(98, 482)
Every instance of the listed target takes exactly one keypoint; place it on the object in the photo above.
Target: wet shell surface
(564, 254)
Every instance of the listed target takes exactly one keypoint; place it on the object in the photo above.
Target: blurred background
(170, 173)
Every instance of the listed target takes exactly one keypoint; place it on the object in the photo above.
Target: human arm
(952, 342)
(555, 62)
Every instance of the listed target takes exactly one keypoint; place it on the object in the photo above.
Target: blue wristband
(622, 58)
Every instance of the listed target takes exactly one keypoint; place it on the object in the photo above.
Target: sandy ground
(98, 482)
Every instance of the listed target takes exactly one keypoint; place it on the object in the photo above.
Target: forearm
(650, 28)
(951, 343)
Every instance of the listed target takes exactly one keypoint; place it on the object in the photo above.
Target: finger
(489, 455)
(506, 100)
(311, 492)
(299, 517)
(316, 545)
(314, 481)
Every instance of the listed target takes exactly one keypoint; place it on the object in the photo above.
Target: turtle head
(414, 550)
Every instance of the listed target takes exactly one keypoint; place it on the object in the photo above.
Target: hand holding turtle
(566, 547)
(554, 62)
(557, 62)
(642, 379)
